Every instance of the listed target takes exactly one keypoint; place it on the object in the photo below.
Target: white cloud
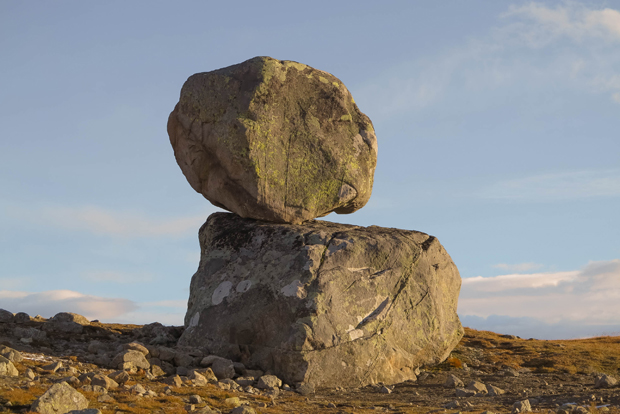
(590, 296)
(557, 186)
(51, 302)
(100, 221)
(508, 56)
(519, 267)
(572, 20)
(118, 310)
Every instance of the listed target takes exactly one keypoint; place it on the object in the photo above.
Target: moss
(346, 117)
(322, 79)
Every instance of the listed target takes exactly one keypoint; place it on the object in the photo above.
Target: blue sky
(497, 125)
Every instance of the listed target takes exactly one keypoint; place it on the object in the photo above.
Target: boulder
(130, 360)
(6, 316)
(64, 317)
(7, 368)
(59, 398)
(330, 304)
(274, 140)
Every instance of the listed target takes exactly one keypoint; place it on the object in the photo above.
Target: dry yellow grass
(592, 355)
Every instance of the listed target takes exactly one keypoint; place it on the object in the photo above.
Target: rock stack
(279, 144)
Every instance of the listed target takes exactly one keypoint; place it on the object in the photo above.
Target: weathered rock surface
(60, 398)
(274, 140)
(323, 303)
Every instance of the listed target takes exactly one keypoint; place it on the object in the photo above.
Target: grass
(584, 356)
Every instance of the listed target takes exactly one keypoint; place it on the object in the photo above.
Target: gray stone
(103, 381)
(173, 380)
(136, 346)
(463, 392)
(11, 354)
(452, 405)
(521, 406)
(494, 391)
(274, 140)
(166, 354)
(59, 398)
(120, 376)
(325, 303)
(605, 381)
(243, 409)
(477, 386)
(223, 368)
(53, 367)
(130, 359)
(7, 368)
(70, 317)
(195, 399)
(183, 360)
(268, 382)
(453, 382)
(6, 316)
(21, 317)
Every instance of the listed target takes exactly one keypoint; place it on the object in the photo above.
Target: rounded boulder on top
(274, 140)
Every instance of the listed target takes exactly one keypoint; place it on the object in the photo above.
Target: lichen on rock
(274, 140)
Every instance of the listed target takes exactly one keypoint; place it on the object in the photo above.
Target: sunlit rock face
(323, 303)
(274, 140)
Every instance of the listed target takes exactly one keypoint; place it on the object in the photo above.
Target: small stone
(53, 367)
(195, 399)
(166, 354)
(190, 407)
(462, 392)
(106, 398)
(21, 317)
(494, 391)
(223, 368)
(243, 409)
(182, 371)
(120, 376)
(174, 380)
(510, 372)
(59, 398)
(233, 401)
(269, 382)
(6, 316)
(304, 389)
(129, 359)
(605, 381)
(331, 405)
(85, 411)
(477, 386)
(157, 371)
(11, 354)
(453, 382)
(452, 405)
(136, 346)
(104, 381)
(385, 390)
(7, 368)
(521, 406)
(244, 381)
(137, 389)
(30, 374)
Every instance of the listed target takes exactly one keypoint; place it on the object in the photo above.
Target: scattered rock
(223, 368)
(243, 409)
(130, 360)
(268, 382)
(464, 392)
(195, 399)
(104, 381)
(477, 387)
(7, 368)
(21, 317)
(494, 391)
(521, 406)
(6, 316)
(453, 382)
(136, 346)
(120, 376)
(59, 398)
(605, 381)
(53, 367)
(174, 380)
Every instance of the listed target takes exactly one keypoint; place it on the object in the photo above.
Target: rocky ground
(68, 363)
